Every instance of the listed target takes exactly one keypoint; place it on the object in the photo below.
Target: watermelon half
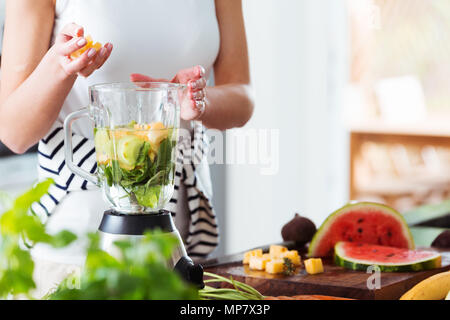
(359, 256)
(363, 222)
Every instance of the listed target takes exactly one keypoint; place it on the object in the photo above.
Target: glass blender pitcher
(135, 134)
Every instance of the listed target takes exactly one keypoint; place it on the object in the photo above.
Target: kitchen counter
(335, 281)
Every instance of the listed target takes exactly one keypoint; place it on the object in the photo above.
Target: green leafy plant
(139, 274)
(20, 229)
(138, 271)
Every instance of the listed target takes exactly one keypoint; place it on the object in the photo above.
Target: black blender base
(115, 225)
(135, 224)
(190, 272)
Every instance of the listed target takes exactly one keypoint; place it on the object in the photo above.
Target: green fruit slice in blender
(103, 146)
(128, 150)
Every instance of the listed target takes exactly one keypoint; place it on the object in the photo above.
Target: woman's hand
(69, 40)
(193, 100)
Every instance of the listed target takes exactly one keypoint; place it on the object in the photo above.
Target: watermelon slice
(359, 256)
(364, 222)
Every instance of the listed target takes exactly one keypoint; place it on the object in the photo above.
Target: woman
(182, 40)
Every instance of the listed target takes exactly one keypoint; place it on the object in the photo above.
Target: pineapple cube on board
(259, 263)
(277, 251)
(293, 256)
(275, 266)
(314, 266)
(252, 253)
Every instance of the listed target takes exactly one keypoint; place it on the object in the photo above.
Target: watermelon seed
(390, 255)
(360, 220)
(360, 230)
(374, 250)
(389, 234)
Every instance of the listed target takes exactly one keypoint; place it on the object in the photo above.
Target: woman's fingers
(137, 77)
(193, 100)
(192, 109)
(189, 74)
(72, 67)
(109, 48)
(100, 58)
(199, 95)
(140, 79)
(71, 46)
(197, 85)
(194, 103)
(70, 31)
(200, 106)
(69, 40)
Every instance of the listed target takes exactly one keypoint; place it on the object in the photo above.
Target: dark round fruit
(442, 240)
(299, 229)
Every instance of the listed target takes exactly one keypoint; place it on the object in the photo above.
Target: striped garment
(191, 169)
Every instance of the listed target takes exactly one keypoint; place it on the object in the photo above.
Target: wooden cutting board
(335, 281)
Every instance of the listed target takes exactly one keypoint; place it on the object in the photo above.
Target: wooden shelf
(431, 132)
(431, 127)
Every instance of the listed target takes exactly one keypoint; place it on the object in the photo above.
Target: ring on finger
(202, 71)
(200, 106)
(198, 83)
(199, 95)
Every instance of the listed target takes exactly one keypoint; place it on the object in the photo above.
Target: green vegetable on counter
(240, 291)
(139, 274)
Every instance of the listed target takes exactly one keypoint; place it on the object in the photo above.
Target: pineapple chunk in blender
(157, 133)
(154, 133)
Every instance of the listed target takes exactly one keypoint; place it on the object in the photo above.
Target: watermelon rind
(340, 259)
(318, 236)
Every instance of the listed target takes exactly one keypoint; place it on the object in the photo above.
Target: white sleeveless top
(151, 37)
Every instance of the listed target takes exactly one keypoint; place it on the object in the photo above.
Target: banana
(433, 288)
(448, 296)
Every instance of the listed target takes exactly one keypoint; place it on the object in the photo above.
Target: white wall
(298, 64)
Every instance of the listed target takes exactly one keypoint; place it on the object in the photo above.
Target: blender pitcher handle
(68, 146)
